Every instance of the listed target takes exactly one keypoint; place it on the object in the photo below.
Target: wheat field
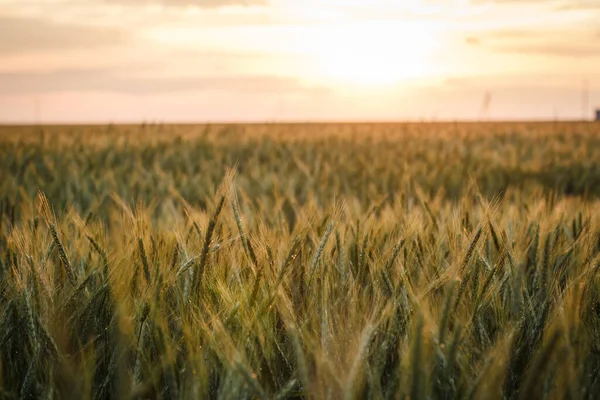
(322, 261)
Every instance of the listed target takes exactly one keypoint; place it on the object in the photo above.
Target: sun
(375, 54)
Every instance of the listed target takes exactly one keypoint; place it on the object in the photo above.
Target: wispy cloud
(572, 42)
(194, 3)
(591, 5)
(127, 81)
(21, 35)
(554, 4)
(577, 51)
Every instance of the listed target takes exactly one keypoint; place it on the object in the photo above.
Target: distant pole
(485, 105)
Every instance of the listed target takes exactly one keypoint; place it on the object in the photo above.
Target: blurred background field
(366, 163)
(300, 260)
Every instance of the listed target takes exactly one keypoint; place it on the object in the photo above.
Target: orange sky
(274, 60)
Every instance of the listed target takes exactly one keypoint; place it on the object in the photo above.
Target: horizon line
(292, 122)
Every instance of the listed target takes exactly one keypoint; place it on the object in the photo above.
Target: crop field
(322, 261)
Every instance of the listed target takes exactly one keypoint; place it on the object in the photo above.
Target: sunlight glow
(375, 53)
(340, 53)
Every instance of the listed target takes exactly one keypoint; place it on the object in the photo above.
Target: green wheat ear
(64, 260)
(199, 273)
(319, 252)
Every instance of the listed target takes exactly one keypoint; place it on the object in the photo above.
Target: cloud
(194, 3)
(502, 36)
(551, 49)
(515, 1)
(517, 34)
(592, 5)
(115, 81)
(525, 81)
(572, 42)
(23, 35)
(560, 5)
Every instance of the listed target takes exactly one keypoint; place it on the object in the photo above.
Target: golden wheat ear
(44, 209)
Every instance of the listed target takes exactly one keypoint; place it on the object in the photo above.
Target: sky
(298, 60)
